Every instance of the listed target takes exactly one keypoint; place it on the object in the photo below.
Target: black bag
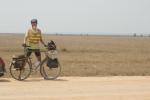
(52, 63)
(2, 67)
(19, 64)
(19, 61)
(51, 45)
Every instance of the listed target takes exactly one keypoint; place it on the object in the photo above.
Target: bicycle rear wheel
(20, 74)
(50, 73)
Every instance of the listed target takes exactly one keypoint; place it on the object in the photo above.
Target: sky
(76, 16)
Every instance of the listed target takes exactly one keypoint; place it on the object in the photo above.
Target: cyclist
(32, 38)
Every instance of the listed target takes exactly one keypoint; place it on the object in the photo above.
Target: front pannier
(52, 63)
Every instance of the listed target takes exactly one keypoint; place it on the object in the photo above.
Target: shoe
(37, 63)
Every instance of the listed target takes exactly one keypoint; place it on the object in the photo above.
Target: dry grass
(91, 55)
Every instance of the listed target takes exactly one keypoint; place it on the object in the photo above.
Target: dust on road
(77, 88)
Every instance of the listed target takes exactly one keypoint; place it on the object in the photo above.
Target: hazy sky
(106, 16)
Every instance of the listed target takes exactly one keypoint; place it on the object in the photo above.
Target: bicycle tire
(47, 72)
(20, 78)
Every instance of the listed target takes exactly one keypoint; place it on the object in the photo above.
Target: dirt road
(77, 88)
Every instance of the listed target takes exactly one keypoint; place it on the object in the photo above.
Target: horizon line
(86, 33)
(82, 34)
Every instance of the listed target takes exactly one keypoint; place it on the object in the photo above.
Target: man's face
(34, 25)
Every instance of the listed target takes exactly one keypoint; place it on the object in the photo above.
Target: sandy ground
(77, 88)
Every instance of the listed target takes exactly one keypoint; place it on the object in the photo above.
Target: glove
(24, 45)
(45, 45)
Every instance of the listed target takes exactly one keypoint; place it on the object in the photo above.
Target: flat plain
(90, 55)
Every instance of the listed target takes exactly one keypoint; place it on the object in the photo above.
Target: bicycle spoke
(20, 74)
(50, 73)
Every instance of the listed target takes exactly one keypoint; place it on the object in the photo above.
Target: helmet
(34, 21)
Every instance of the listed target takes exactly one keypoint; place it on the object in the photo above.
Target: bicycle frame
(26, 49)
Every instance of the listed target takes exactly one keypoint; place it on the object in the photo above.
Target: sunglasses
(34, 23)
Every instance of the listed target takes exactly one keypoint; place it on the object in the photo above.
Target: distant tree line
(141, 35)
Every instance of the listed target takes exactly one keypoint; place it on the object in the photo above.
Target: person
(33, 37)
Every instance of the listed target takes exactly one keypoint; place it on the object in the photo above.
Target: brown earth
(77, 88)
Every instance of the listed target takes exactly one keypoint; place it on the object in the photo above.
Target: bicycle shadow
(59, 79)
(4, 80)
(33, 80)
(40, 79)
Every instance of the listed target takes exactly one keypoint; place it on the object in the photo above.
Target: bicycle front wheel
(20, 74)
(50, 73)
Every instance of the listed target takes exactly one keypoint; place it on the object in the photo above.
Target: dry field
(91, 55)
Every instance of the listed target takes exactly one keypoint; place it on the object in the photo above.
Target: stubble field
(90, 55)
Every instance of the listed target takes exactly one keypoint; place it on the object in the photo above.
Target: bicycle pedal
(32, 70)
(1, 72)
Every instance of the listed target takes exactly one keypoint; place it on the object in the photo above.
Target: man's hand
(24, 45)
(45, 45)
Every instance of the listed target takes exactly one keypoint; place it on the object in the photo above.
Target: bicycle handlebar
(24, 45)
(26, 48)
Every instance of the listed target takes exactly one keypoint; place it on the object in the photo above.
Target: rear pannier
(19, 61)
